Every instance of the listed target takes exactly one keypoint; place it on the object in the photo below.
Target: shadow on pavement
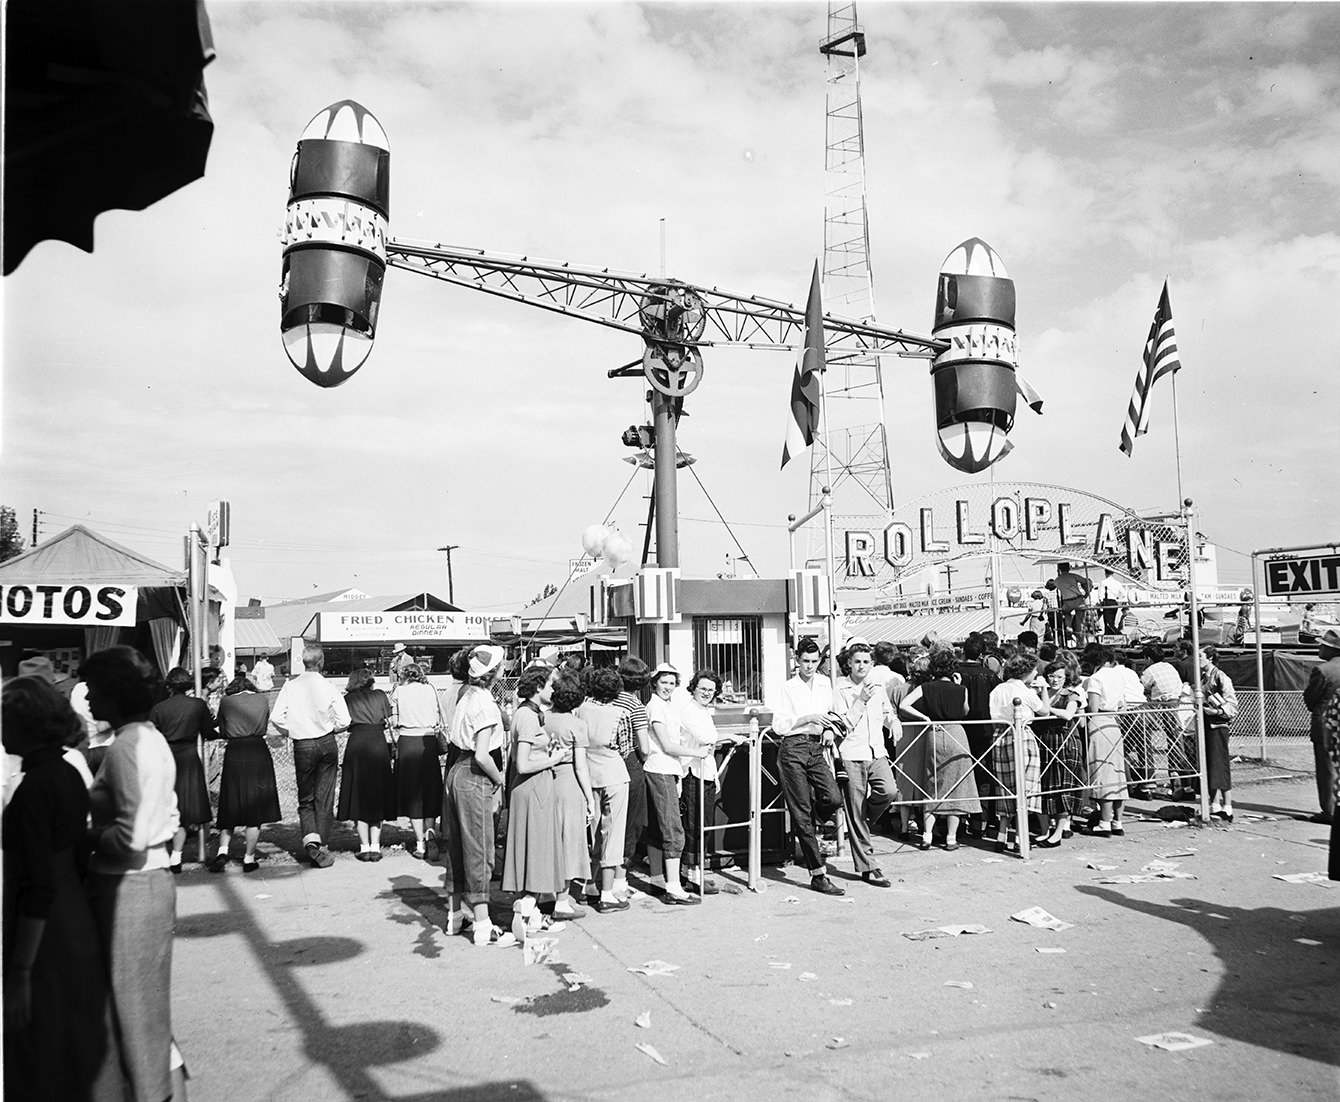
(1275, 992)
(429, 907)
(346, 1052)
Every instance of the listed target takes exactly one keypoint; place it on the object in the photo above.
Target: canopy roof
(255, 637)
(79, 555)
(952, 627)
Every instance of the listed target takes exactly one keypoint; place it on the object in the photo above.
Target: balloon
(593, 539)
(618, 549)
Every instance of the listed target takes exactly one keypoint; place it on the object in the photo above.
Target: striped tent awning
(255, 637)
(952, 627)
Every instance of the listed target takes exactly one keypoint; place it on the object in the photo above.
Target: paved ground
(336, 984)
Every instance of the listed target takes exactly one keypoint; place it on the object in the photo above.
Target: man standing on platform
(865, 758)
(1322, 686)
(1073, 592)
(1111, 593)
(309, 709)
(810, 789)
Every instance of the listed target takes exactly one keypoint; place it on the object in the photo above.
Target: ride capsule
(974, 378)
(334, 242)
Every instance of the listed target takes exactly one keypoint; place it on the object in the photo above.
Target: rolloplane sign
(1023, 518)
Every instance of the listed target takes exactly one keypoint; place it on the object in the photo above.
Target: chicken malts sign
(71, 605)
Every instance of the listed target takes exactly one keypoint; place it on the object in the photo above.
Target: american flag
(802, 424)
(1160, 359)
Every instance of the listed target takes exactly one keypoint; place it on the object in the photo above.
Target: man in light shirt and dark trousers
(808, 785)
(865, 757)
(309, 709)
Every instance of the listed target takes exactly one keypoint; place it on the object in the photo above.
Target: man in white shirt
(1110, 595)
(263, 674)
(808, 785)
(865, 758)
(309, 709)
(1137, 732)
(882, 672)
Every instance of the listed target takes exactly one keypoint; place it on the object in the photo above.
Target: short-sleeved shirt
(1109, 683)
(1161, 681)
(1071, 586)
(603, 761)
(696, 728)
(658, 761)
(567, 730)
(1002, 702)
(416, 706)
(476, 710)
(632, 723)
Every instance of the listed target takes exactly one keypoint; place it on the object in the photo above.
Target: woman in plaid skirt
(1061, 740)
(1018, 671)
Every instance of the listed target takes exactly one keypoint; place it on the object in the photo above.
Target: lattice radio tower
(853, 450)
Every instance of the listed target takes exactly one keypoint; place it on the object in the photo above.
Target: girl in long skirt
(367, 783)
(418, 765)
(1221, 706)
(942, 704)
(1010, 772)
(574, 803)
(248, 796)
(533, 865)
(183, 720)
(1061, 740)
(1107, 758)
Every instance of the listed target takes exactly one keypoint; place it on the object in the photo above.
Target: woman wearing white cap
(665, 828)
(478, 734)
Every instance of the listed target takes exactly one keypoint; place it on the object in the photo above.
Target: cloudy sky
(1098, 148)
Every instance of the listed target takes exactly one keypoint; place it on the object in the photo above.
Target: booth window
(733, 646)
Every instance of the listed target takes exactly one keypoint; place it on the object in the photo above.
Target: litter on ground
(1301, 877)
(1036, 916)
(650, 1050)
(1174, 1042)
(655, 968)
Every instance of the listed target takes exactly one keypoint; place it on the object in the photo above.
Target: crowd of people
(581, 776)
(930, 731)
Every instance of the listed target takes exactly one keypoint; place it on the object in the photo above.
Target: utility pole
(36, 513)
(451, 588)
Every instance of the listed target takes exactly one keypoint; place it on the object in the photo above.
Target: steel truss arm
(617, 299)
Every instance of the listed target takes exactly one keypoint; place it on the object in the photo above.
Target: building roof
(255, 636)
(80, 555)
